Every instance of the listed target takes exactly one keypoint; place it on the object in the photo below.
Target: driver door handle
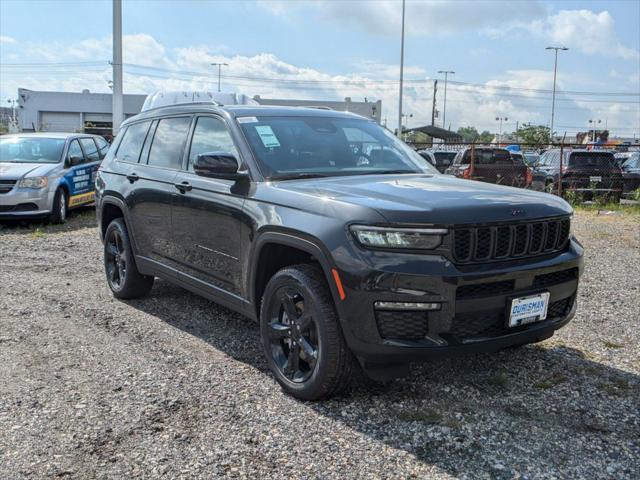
(183, 187)
(132, 177)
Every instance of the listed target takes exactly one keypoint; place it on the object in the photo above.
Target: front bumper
(473, 299)
(26, 203)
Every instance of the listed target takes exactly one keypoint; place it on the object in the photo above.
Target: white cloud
(586, 31)
(189, 69)
(5, 40)
(429, 17)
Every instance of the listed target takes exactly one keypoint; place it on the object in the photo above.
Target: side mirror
(217, 165)
(74, 160)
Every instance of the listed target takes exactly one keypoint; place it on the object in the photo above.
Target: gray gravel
(176, 386)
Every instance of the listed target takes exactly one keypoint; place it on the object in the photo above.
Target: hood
(15, 171)
(435, 199)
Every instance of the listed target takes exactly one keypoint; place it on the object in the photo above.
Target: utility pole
(220, 65)
(433, 104)
(117, 110)
(553, 98)
(401, 73)
(117, 114)
(444, 107)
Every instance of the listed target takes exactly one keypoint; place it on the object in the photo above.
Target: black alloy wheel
(123, 277)
(115, 259)
(293, 335)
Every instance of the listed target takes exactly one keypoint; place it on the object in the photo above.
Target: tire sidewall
(297, 280)
(59, 199)
(119, 225)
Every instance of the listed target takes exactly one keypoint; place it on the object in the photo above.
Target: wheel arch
(267, 259)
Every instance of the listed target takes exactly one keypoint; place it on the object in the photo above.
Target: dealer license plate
(525, 310)
(595, 179)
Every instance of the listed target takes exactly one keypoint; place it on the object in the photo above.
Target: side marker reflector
(336, 278)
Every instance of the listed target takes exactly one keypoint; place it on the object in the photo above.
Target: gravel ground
(176, 386)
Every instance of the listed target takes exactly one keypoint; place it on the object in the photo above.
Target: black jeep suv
(353, 254)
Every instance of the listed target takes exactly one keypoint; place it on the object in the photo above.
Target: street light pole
(401, 73)
(500, 119)
(117, 107)
(553, 98)
(444, 108)
(219, 65)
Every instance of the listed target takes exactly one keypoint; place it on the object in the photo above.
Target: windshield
(31, 149)
(299, 147)
(633, 162)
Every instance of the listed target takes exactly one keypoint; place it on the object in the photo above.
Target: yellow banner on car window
(80, 199)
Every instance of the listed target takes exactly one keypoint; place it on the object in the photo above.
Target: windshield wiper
(384, 172)
(296, 176)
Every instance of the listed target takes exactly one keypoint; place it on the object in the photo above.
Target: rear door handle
(132, 177)
(183, 187)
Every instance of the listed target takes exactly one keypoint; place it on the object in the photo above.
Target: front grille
(401, 325)
(6, 185)
(555, 278)
(485, 289)
(505, 242)
(493, 324)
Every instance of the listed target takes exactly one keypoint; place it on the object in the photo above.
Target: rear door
(207, 214)
(152, 195)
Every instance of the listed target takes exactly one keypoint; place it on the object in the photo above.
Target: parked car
(631, 174)
(42, 175)
(585, 172)
(621, 157)
(492, 165)
(347, 264)
(444, 159)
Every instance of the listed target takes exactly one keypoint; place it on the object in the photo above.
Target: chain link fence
(576, 172)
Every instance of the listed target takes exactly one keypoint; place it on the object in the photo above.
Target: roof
(49, 135)
(437, 132)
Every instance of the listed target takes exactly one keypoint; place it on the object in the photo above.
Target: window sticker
(269, 139)
(247, 120)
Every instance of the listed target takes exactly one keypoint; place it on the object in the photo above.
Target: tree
(534, 135)
(470, 134)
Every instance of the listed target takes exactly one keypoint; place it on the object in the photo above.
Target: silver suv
(42, 175)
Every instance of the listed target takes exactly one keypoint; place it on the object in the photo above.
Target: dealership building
(88, 112)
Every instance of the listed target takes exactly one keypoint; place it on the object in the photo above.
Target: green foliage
(635, 195)
(534, 136)
(471, 134)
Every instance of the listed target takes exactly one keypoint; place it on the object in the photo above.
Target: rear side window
(168, 142)
(90, 149)
(131, 144)
(210, 135)
(591, 159)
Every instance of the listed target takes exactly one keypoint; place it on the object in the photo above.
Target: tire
(59, 208)
(301, 335)
(123, 277)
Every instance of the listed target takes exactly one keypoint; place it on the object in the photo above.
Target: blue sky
(332, 49)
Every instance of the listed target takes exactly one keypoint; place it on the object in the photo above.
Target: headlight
(407, 238)
(34, 182)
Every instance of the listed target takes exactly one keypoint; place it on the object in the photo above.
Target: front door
(207, 214)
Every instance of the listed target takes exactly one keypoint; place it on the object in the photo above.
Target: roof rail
(165, 99)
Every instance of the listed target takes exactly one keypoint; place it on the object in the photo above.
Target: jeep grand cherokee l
(353, 254)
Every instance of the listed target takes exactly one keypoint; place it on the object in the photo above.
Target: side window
(168, 142)
(210, 135)
(75, 150)
(103, 146)
(90, 149)
(131, 144)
